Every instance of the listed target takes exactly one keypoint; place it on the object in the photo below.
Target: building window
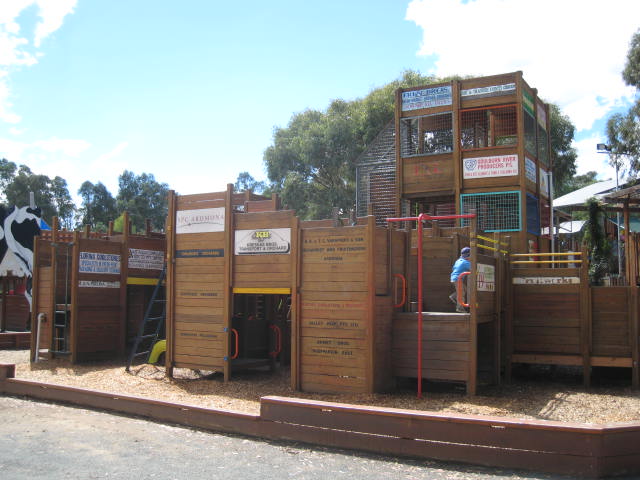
(488, 127)
(428, 135)
(543, 146)
(530, 133)
(496, 211)
(533, 215)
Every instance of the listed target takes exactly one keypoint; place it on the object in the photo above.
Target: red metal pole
(421, 218)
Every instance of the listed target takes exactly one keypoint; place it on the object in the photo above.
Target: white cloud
(67, 147)
(16, 50)
(52, 13)
(572, 51)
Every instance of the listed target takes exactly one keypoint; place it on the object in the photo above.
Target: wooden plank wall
(441, 248)
(98, 312)
(336, 289)
(547, 317)
(43, 294)
(446, 346)
(611, 331)
(261, 269)
(199, 295)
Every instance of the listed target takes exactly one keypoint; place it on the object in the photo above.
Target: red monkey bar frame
(421, 218)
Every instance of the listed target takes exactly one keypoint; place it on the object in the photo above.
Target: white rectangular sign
(263, 241)
(95, 262)
(204, 220)
(530, 169)
(484, 167)
(486, 278)
(545, 280)
(97, 284)
(491, 91)
(544, 183)
(427, 98)
(146, 259)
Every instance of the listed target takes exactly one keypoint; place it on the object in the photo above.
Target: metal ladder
(62, 312)
(152, 323)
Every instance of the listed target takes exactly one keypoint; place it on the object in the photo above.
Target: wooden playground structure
(353, 305)
(90, 291)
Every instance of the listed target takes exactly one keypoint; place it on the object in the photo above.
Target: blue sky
(191, 91)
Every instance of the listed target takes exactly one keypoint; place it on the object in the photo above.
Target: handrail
(492, 240)
(460, 289)
(235, 355)
(404, 289)
(556, 254)
(278, 349)
(421, 218)
(517, 262)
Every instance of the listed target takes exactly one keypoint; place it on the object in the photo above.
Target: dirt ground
(543, 393)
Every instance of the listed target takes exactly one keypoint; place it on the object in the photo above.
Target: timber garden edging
(595, 451)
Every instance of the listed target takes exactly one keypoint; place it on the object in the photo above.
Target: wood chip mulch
(542, 393)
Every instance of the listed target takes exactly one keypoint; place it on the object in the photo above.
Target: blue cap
(465, 252)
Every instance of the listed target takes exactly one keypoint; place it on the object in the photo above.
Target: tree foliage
(623, 130)
(246, 183)
(311, 163)
(98, 206)
(143, 198)
(597, 244)
(564, 156)
(50, 194)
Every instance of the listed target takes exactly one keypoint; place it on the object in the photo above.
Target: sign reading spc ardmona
(265, 241)
(200, 221)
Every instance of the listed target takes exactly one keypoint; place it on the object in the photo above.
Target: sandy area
(536, 393)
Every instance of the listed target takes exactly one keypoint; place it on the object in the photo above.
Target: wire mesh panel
(543, 146)
(496, 211)
(530, 133)
(428, 135)
(376, 177)
(488, 127)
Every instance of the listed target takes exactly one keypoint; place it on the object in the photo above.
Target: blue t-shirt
(461, 265)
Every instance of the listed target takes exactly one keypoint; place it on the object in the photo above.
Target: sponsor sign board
(146, 259)
(97, 284)
(486, 278)
(427, 98)
(95, 262)
(546, 280)
(492, 91)
(204, 220)
(530, 169)
(484, 167)
(263, 241)
(544, 183)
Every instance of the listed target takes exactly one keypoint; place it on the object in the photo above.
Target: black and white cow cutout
(18, 228)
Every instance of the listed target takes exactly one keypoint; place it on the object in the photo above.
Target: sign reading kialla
(204, 220)
(484, 167)
(545, 280)
(264, 241)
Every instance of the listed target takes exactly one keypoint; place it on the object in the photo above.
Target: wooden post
(472, 295)
(75, 327)
(633, 318)
(296, 249)
(497, 317)
(227, 287)
(585, 318)
(170, 284)
(371, 301)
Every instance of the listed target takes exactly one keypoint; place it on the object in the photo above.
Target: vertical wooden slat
(75, 320)
(228, 265)
(170, 284)
(371, 300)
(472, 292)
(585, 319)
(295, 299)
(633, 319)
